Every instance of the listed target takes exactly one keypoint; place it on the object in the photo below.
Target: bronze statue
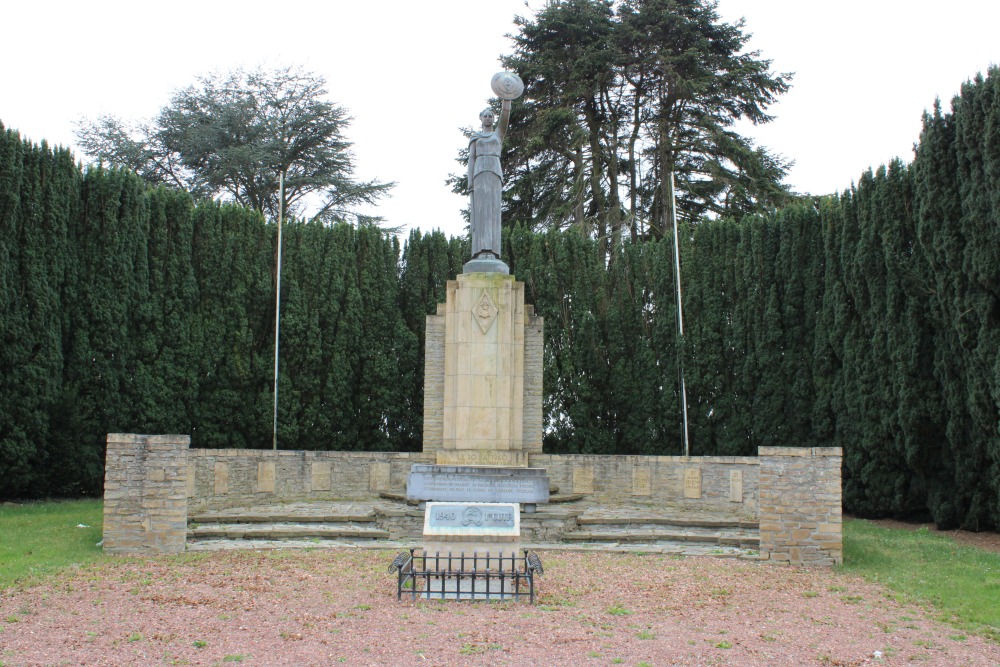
(485, 173)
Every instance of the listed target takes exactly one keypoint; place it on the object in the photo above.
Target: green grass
(961, 583)
(41, 538)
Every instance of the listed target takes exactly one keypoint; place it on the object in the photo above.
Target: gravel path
(332, 607)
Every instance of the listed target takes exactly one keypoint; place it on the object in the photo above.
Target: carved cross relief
(485, 312)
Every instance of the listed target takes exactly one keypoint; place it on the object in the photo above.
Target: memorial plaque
(736, 486)
(692, 483)
(221, 479)
(642, 483)
(472, 522)
(477, 484)
(321, 476)
(378, 476)
(192, 486)
(583, 479)
(451, 516)
(265, 477)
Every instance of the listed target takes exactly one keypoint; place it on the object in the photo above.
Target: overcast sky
(412, 73)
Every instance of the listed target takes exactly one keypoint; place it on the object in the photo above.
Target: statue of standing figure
(485, 173)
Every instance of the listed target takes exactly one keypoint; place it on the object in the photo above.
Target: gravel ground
(332, 607)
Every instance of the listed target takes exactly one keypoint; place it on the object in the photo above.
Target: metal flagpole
(680, 310)
(277, 303)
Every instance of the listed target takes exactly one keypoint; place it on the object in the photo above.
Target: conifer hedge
(868, 321)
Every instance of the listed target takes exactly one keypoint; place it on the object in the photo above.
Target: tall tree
(231, 135)
(621, 95)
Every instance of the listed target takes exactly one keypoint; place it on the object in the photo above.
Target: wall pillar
(145, 493)
(800, 505)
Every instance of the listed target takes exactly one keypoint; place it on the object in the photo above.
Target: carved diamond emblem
(485, 312)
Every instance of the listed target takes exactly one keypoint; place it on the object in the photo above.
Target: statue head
(487, 118)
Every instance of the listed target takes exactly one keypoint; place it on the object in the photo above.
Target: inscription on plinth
(477, 484)
(482, 457)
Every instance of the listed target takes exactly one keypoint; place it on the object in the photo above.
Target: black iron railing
(475, 576)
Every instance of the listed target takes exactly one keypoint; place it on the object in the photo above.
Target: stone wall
(800, 505)
(223, 478)
(145, 499)
(726, 484)
(153, 482)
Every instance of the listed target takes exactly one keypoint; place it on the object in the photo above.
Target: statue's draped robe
(487, 184)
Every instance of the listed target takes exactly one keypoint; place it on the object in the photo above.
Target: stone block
(692, 483)
(321, 476)
(736, 486)
(221, 479)
(583, 479)
(265, 477)
(379, 474)
(642, 482)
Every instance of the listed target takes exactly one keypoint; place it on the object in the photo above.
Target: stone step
(556, 498)
(288, 517)
(284, 531)
(660, 535)
(660, 520)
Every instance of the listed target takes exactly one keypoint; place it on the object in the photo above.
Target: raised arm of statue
(504, 119)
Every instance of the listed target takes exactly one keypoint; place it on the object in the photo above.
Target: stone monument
(483, 356)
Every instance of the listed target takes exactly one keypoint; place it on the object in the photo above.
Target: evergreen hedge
(868, 321)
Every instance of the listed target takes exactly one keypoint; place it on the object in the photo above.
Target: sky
(412, 73)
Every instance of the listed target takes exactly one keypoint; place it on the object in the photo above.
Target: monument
(483, 372)
(483, 351)
(482, 403)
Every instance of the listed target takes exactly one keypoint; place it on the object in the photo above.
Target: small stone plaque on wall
(642, 481)
(221, 479)
(583, 479)
(736, 486)
(692, 483)
(192, 486)
(265, 477)
(378, 476)
(321, 477)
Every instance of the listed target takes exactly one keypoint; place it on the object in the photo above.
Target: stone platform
(386, 524)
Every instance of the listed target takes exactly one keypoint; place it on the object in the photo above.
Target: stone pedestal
(482, 395)
(483, 374)
(469, 544)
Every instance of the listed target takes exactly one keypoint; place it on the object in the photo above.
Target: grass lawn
(38, 539)
(961, 583)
